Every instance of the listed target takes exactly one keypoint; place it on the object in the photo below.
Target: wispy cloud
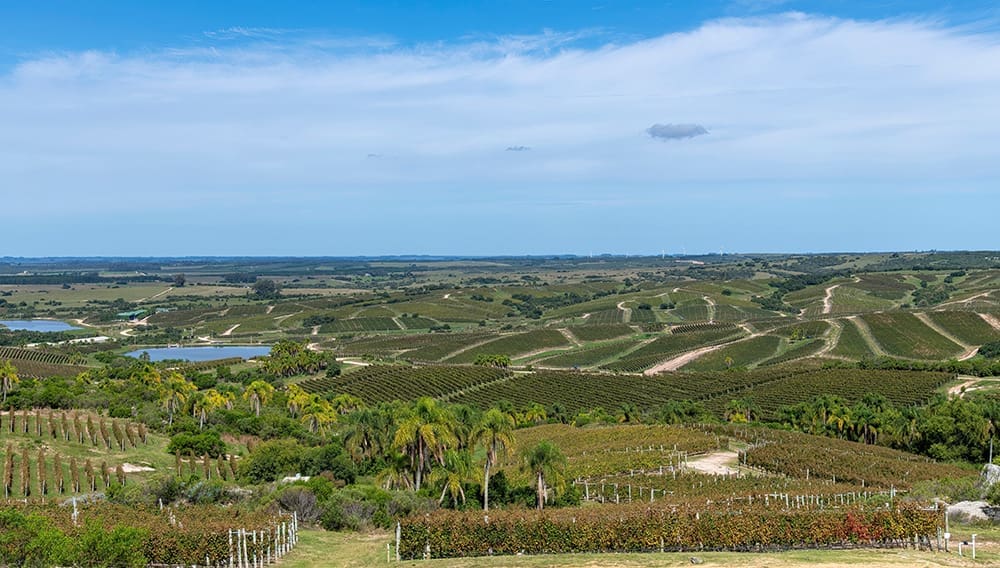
(882, 102)
(675, 131)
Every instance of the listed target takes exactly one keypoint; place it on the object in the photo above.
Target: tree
(496, 433)
(180, 280)
(298, 399)
(424, 436)
(258, 393)
(210, 401)
(8, 378)
(455, 470)
(175, 392)
(498, 361)
(318, 414)
(266, 289)
(547, 466)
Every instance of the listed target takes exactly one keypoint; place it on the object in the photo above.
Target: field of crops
(792, 453)
(417, 322)
(803, 330)
(15, 354)
(588, 356)
(902, 388)
(662, 348)
(379, 383)
(968, 327)
(739, 354)
(359, 324)
(903, 335)
(514, 344)
(690, 312)
(797, 351)
(886, 286)
(642, 316)
(610, 316)
(600, 332)
(851, 343)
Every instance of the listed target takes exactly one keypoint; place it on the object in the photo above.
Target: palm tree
(8, 378)
(496, 432)
(346, 404)
(318, 414)
(424, 436)
(455, 470)
(535, 414)
(297, 400)
(628, 413)
(175, 392)
(740, 410)
(210, 401)
(547, 466)
(258, 393)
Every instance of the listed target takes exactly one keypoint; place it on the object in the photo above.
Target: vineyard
(642, 528)
(16, 354)
(587, 357)
(739, 354)
(662, 348)
(802, 455)
(851, 343)
(600, 332)
(796, 351)
(968, 327)
(378, 383)
(902, 388)
(359, 324)
(513, 345)
(904, 335)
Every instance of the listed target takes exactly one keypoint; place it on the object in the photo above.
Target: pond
(202, 353)
(43, 325)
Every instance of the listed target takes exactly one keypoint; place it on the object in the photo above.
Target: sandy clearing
(347, 361)
(585, 316)
(229, 331)
(715, 463)
(269, 309)
(132, 468)
(446, 296)
(315, 330)
(991, 319)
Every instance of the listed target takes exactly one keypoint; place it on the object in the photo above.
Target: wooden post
(398, 533)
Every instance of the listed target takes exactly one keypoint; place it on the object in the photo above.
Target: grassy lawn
(320, 548)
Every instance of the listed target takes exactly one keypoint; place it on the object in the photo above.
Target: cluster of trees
(289, 358)
(949, 429)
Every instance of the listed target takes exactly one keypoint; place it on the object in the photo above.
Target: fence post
(398, 533)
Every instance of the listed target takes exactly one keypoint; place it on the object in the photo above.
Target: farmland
(771, 398)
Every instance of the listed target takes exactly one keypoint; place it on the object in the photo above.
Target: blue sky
(522, 127)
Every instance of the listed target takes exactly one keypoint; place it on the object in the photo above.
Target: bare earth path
(965, 301)
(828, 299)
(991, 319)
(867, 335)
(685, 358)
(269, 309)
(832, 337)
(681, 360)
(154, 295)
(715, 463)
(968, 351)
(711, 308)
(626, 312)
(229, 331)
(570, 337)
(956, 391)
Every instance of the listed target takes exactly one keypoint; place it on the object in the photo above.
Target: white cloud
(794, 99)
